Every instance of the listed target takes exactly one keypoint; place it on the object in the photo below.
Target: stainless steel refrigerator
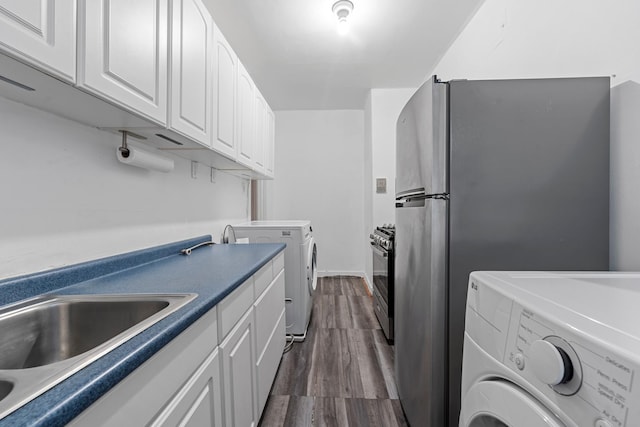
(491, 175)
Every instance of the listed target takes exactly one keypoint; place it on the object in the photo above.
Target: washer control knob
(550, 364)
(519, 361)
(602, 423)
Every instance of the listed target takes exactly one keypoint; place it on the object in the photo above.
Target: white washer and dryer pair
(551, 349)
(300, 257)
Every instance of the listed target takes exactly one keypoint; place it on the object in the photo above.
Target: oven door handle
(377, 249)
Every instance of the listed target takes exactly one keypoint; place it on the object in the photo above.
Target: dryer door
(502, 404)
(312, 273)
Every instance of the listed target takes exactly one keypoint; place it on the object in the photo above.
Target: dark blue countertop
(211, 271)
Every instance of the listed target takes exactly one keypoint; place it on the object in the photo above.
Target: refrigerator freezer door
(421, 141)
(420, 292)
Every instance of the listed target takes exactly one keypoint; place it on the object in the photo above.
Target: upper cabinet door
(123, 54)
(246, 111)
(191, 103)
(269, 149)
(225, 64)
(41, 33)
(260, 132)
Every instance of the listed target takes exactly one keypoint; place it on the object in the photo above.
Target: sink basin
(5, 389)
(46, 339)
(56, 329)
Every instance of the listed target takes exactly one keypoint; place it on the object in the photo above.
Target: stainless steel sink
(5, 389)
(46, 339)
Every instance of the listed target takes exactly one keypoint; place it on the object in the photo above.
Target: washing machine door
(500, 403)
(312, 273)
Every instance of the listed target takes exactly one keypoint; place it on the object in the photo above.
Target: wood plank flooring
(342, 374)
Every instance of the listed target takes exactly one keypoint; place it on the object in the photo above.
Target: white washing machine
(300, 256)
(551, 349)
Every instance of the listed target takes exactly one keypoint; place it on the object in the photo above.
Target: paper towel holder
(123, 148)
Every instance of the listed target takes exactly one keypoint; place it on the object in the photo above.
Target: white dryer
(300, 257)
(551, 349)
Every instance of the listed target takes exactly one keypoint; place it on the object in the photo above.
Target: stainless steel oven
(382, 246)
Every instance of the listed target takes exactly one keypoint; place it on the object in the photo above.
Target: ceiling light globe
(342, 9)
(343, 27)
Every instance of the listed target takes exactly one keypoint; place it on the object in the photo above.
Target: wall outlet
(194, 169)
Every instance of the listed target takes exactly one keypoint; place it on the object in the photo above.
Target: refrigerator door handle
(416, 198)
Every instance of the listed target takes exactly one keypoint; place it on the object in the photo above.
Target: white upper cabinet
(191, 102)
(246, 111)
(41, 33)
(269, 149)
(123, 54)
(224, 94)
(260, 132)
(160, 68)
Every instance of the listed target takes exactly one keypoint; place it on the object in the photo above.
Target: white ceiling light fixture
(342, 9)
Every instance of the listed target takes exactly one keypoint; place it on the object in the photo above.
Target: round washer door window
(312, 273)
(502, 404)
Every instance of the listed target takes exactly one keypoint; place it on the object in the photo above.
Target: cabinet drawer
(267, 363)
(234, 306)
(267, 311)
(262, 279)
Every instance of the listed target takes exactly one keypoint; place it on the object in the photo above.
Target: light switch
(381, 185)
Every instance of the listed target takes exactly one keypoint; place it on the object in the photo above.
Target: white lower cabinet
(270, 337)
(171, 385)
(199, 402)
(218, 372)
(237, 352)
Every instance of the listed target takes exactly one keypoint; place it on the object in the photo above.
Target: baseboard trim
(340, 273)
(360, 274)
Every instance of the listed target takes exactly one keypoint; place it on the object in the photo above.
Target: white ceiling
(298, 60)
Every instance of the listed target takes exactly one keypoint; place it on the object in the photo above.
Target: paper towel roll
(145, 159)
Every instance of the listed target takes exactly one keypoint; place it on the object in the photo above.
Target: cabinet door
(178, 381)
(191, 99)
(260, 132)
(246, 112)
(238, 355)
(199, 402)
(269, 313)
(42, 33)
(269, 149)
(224, 93)
(123, 54)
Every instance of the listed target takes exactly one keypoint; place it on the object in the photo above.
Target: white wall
(66, 199)
(386, 105)
(366, 191)
(549, 38)
(382, 109)
(319, 176)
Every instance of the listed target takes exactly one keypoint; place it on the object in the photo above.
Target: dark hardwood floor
(342, 374)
